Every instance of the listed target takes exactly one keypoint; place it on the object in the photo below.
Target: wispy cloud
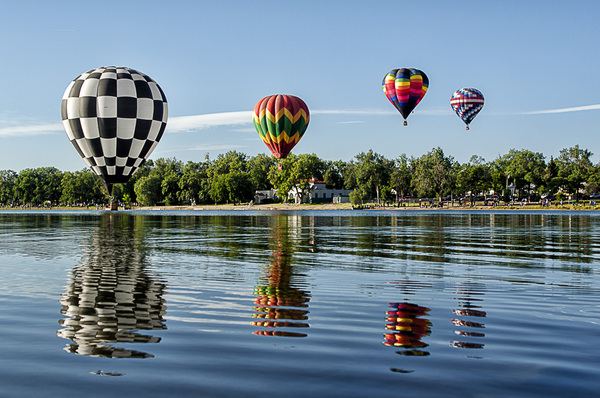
(564, 110)
(181, 124)
(245, 130)
(30, 130)
(367, 112)
(351, 122)
(379, 112)
(215, 147)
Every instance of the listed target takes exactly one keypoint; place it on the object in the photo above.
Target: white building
(267, 195)
(319, 193)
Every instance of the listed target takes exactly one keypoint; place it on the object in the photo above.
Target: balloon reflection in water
(468, 295)
(407, 327)
(111, 295)
(279, 303)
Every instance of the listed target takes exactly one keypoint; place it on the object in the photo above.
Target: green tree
(433, 173)
(170, 187)
(401, 176)
(386, 194)
(69, 189)
(8, 179)
(551, 180)
(349, 175)
(333, 176)
(239, 186)
(594, 179)
(168, 171)
(474, 177)
(39, 185)
(148, 190)
(128, 188)
(218, 188)
(258, 167)
(193, 184)
(281, 177)
(81, 187)
(25, 187)
(296, 172)
(525, 168)
(234, 186)
(230, 178)
(499, 176)
(230, 161)
(372, 171)
(574, 168)
(118, 193)
(358, 196)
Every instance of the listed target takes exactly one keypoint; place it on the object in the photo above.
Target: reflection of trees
(280, 303)
(469, 296)
(111, 295)
(564, 242)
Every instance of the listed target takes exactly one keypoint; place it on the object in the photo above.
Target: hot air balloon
(467, 102)
(114, 117)
(405, 88)
(281, 121)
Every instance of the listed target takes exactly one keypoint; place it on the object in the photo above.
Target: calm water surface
(299, 304)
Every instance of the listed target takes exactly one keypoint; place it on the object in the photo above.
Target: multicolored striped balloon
(467, 102)
(281, 121)
(405, 88)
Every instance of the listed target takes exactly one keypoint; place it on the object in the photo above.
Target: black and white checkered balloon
(114, 117)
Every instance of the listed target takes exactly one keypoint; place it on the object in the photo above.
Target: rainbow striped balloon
(467, 102)
(281, 121)
(405, 88)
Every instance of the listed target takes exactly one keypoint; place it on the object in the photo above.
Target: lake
(299, 304)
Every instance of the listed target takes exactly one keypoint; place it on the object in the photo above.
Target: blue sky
(535, 62)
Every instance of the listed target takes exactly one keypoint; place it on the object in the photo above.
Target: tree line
(234, 177)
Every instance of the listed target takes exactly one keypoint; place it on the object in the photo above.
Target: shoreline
(348, 206)
(328, 206)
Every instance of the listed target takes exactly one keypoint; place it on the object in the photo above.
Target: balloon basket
(114, 206)
(405, 123)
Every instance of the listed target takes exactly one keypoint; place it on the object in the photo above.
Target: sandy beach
(327, 206)
(348, 206)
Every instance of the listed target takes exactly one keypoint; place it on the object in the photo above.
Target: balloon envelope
(405, 88)
(114, 117)
(467, 102)
(281, 121)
